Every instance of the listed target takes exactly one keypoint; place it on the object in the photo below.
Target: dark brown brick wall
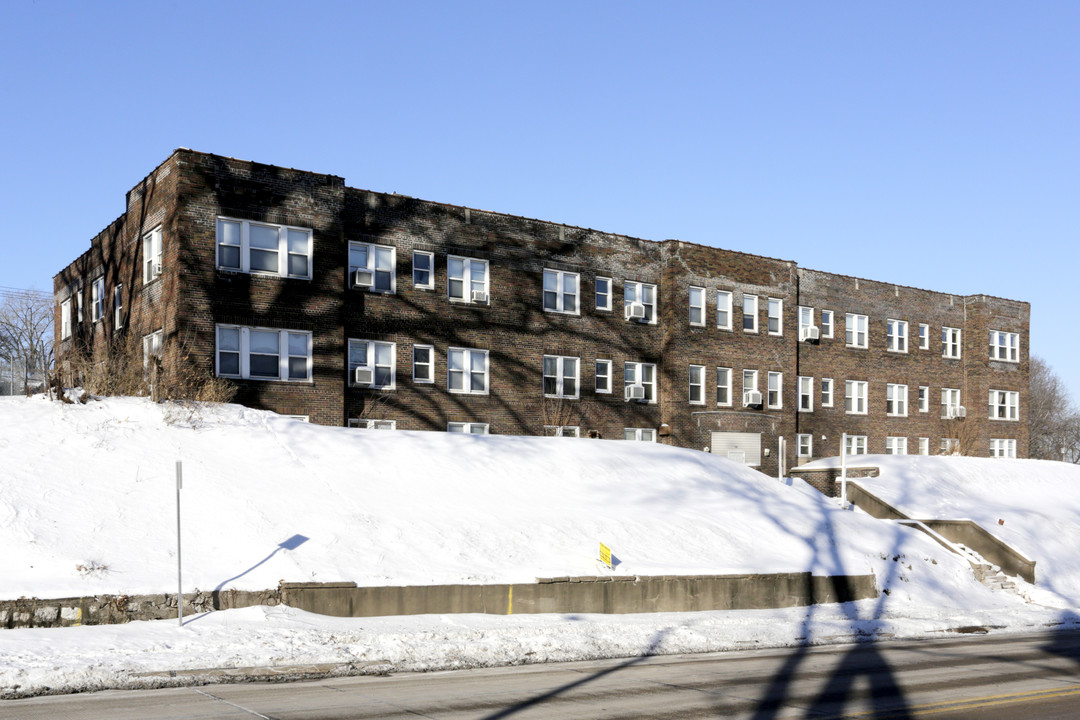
(190, 190)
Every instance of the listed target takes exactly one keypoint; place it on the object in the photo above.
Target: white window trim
(245, 248)
(895, 443)
(806, 319)
(118, 306)
(638, 375)
(779, 404)
(924, 446)
(700, 385)
(727, 386)
(466, 428)
(830, 395)
(639, 433)
(856, 445)
(466, 283)
(1011, 405)
(951, 346)
(560, 300)
(899, 336)
(831, 324)
(804, 449)
(370, 266)
(857, 328)
(467, 372)
(1003, 448)
(639, 294)
(924, 336)
(924, 398)
(572, 431)
(370, 363)
(430, 285)
(702, 307)
(245, 354)
(372, 424)
(152, 255)
(606, 307)
(560, 376)
(857, 391)
(152, 345)
(724, 299)
(899, 399)
(997, 349)
(431, 365)
(609, 365)
(65, 319)
(948, 406)
(805, 390)
(79, 305)
(778, 304)
(97, 299)
(754, 300)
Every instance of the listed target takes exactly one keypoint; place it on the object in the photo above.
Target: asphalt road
(1030, 676)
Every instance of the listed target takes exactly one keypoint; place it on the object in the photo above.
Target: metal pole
(179, 581)
(843, 469)
(780, 451)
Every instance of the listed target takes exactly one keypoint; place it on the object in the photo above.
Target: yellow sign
(605, 554)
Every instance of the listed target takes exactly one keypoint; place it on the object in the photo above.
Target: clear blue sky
(923, 143)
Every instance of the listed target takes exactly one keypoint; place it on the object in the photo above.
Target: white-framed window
(78, 305)
(856, 445)
(697, 385)
(924, 398)
(266, 248)
(561, 376)
(826, 392)
(855, 397)
(603, 293)
(896, 400)
(776, 316)
(950, 342)
(855, 330)
(1004, 346)
(896, 445)
(561, 292)
(423, 270)
(152, 255)
(373, 267)
(635, 293)
(806, 320)
(97, 299)
(603, 377)
(118, 306)
(423, 364)
(827, 323)
(1004, 405)
(950, 402)
(370, 424)
(924, 446)
(806, 394)
(151, 346)
(775, 397)
(723, 309)
(468, 428)
(377, 362)
(723, 386)
(697, 306)
(467, 371)
(896, 335)
(924, 336)
(467, 280)
(65, 319)
(643, 374)
(254, 353)
(749, 313)
(1002, 448)
(950, 446)
(804, 445)
(562, 431)
(639, 434)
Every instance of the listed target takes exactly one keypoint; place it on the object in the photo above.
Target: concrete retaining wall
(549, 595)
(966, 532)
(827, 480)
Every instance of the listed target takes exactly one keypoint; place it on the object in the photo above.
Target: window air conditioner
(479, 296)
(157, 267)
(810, 332)
(635, 311)
(635, 392)
(751, 397)
(363, 278)
(363, 376)
(961, 412)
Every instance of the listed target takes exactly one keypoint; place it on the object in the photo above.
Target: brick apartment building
(367, 309)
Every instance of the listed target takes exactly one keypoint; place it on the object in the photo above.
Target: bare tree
(26, 333)
(1053, 421)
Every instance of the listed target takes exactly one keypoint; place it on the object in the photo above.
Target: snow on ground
(88, 503)
(1037, 502)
